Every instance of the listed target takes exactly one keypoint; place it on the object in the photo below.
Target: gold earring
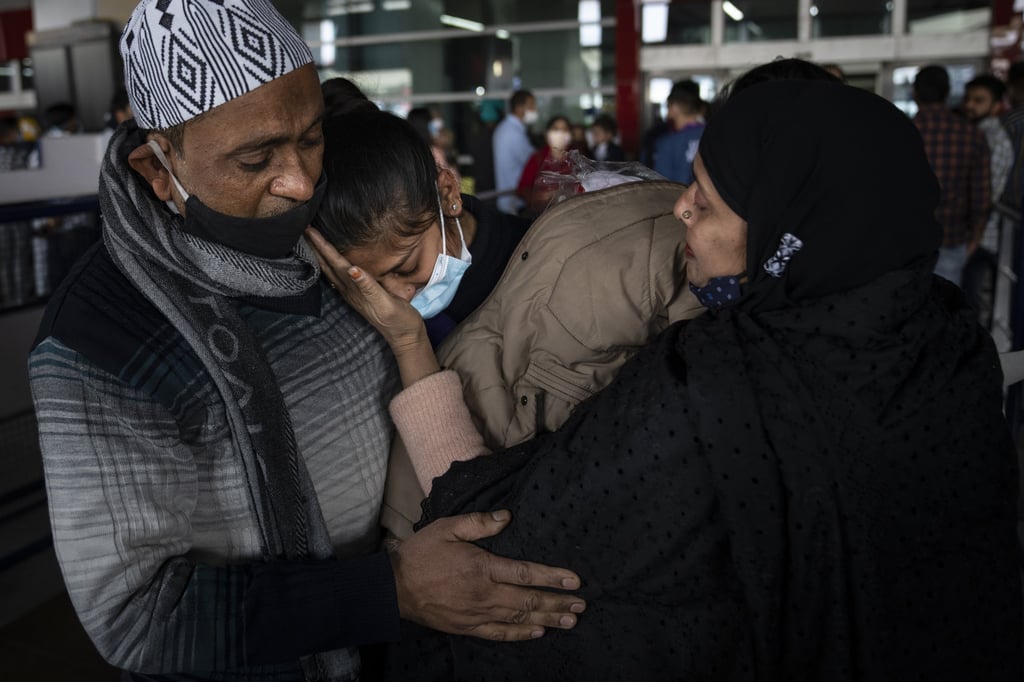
(455, 207)
(687, 215)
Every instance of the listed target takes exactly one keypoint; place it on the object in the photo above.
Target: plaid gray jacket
(151, 517)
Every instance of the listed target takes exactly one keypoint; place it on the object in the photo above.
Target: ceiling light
(459, 22)
(589, 11)
(590, 35)
(328, 33)
(732, 10)
(654, 22)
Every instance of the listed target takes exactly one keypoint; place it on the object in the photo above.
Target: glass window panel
(948, 16)
(400, 75)
(658, 89)
(747, 20)
(546, 59)
(832, 18)
(654, 22)
(513, 11)
(468, 75)
(689, 22)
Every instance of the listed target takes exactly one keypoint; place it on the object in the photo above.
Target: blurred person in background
(120, 111)
(430, 127)
(552, 157)
(604, 130)
(16, 153)
(675, 149)
(61, 119)
(481, 145)
(579, 139)
(983, 105)
(512, 148)
(658, 127)
(960, 158)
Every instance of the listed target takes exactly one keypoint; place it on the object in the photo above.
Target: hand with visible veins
(449, 584)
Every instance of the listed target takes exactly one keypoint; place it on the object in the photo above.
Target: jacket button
(526, 254)
(523, 400)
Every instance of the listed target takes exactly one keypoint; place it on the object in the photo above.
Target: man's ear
(144, 161)
(451, 193)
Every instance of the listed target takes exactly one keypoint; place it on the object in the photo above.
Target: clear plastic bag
(577, 174)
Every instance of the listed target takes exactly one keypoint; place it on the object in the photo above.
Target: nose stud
(687, 215)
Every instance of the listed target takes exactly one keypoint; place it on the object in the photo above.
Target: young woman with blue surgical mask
(394, 213)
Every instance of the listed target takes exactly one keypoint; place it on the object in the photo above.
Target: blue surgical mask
(444, 280)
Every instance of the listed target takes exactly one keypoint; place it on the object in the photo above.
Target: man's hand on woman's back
(449, 584)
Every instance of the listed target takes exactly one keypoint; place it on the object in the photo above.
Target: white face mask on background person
(435, 126)
(530, 116)
(559, 139)
(438, 292)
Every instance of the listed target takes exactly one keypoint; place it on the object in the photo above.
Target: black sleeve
(293, 609)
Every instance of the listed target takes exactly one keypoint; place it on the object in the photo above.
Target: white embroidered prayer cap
(185, 57)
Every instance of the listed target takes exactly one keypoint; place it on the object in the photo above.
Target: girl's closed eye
(407, 268)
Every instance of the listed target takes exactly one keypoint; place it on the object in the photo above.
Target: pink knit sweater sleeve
(435, 425)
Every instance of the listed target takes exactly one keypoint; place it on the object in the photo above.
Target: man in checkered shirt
(959, 156)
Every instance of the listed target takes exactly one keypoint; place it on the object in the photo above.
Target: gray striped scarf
(192, 281)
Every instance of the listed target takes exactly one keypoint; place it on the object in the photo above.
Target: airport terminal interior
(462, 59)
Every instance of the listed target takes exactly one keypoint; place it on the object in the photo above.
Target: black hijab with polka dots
(816, 484)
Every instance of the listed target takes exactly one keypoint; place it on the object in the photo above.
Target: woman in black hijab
(814, 480)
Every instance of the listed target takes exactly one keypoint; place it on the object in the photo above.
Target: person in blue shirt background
(675, 149)
(512, 147)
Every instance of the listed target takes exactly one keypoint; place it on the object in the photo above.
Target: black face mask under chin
(270, 237)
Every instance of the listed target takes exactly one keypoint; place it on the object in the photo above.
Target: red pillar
(1002, 12)
(627, 73)
(14, 24)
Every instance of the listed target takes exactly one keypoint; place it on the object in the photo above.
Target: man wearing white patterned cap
(213, 419)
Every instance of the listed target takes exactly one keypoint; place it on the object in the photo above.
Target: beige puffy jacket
(590, 283)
